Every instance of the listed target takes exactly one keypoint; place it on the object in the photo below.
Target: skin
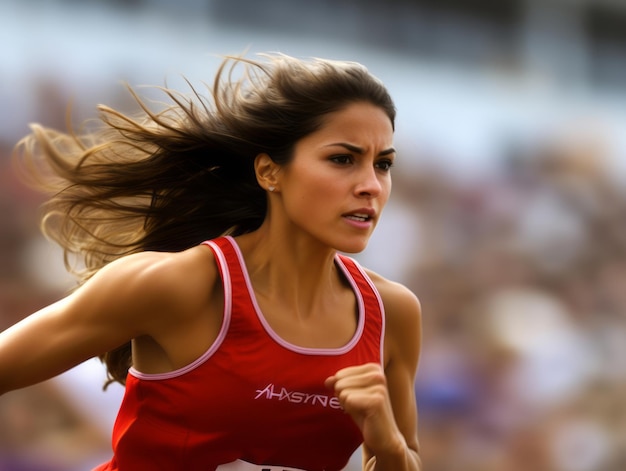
(338, 171)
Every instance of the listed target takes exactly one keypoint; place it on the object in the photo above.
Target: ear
(266, 171)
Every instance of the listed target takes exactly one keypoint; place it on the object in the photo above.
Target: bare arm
(128, 298)
(382, 402)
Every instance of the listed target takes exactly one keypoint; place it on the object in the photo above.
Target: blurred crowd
(520, 274)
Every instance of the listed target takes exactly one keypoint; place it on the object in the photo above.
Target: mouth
(360, 217)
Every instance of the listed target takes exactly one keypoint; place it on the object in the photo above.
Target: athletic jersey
(252, 401)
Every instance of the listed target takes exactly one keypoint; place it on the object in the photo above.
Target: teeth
(359, 217)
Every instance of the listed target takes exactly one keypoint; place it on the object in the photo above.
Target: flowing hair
(167, 180)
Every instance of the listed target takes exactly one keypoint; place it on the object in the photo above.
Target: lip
(360, 224)
(369, 212)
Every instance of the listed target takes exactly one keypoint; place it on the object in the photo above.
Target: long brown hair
(167, 180)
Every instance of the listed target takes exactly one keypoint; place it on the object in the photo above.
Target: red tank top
(252, 398)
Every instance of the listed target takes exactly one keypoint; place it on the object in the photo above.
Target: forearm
(401, 458)
(406, 460)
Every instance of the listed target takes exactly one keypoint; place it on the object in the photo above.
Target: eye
(384, 165)
(342, 159)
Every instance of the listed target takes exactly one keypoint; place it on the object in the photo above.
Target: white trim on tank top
(240, 465)
(227, 286)
(296, 348)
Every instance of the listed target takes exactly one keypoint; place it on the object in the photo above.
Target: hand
(362, 393)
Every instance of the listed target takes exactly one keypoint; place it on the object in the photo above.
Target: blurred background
(508, 216)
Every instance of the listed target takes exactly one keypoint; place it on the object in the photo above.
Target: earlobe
(266, 171)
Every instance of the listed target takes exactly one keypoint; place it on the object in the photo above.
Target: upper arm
(124, 300)
(402, 350)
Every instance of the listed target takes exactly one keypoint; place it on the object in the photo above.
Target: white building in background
(470, 77)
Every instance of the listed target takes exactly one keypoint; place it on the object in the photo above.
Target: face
(338, 182)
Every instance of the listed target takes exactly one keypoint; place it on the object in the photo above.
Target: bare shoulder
(164, 272)
(152, 283)
(144, 294)
(403, 317)
(399, 300)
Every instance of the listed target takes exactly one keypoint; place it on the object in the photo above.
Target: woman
(211, 283)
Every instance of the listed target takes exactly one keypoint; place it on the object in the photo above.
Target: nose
(368, 184)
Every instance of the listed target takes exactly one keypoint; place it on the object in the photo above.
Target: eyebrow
(360, 150)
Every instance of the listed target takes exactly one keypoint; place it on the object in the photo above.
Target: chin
(352, 247)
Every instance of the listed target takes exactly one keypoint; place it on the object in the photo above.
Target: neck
(297, 272)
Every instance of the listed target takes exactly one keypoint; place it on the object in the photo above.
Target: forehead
(361, 122)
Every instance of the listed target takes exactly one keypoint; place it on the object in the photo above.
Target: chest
(261, 404)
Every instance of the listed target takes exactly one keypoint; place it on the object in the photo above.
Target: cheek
(317, 196)
(311, 183)
(302, 191)
(386, 190)
(312, 200)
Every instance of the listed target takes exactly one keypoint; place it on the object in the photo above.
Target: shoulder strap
(364, 283)
(373, 304)
(236, 290)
